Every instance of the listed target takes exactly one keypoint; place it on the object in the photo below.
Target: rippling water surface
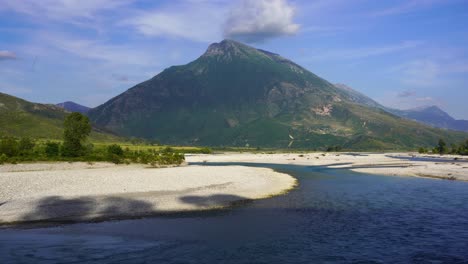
(335, 216)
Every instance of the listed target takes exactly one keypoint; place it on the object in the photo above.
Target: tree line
(442, 148)
(75, 147)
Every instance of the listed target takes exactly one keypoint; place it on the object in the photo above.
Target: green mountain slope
(235, 95)
(20, 118)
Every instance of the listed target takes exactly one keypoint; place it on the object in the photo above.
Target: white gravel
(373, 163)
(61, 191)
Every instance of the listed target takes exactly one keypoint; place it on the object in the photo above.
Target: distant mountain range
(430, 115)
(236, 95)
(74, 107)
(433, 116)
(20, 118)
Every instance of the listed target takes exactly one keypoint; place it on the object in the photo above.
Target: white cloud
(119, 54)
(408, 6)
(194, 20)
(7, 55)
(425, 99)
(406, 93)
(429, 72)
(359, 53)
(420, 73)
(62, 9)
(259, 20)
(420, 98)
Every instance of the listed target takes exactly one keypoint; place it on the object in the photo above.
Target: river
(334, 216)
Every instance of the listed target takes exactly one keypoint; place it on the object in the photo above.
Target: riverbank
(78, 191)
(450, 167)
(83, 192)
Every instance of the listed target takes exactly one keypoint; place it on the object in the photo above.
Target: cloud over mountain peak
(257, 21)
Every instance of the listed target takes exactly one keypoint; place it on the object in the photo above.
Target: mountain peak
(433, 109)
(226, 47)
(73, 107)
(427, 107)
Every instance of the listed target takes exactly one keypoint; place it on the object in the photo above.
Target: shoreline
(388, 164)
(106, 192)
(63, 192)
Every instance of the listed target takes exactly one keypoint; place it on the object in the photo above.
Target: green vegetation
(441, 148)
(23, 119)
(76, 129)
(13, 150)
(76, 147)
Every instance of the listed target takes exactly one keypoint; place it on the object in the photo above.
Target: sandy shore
(394, 164)
(80, 191)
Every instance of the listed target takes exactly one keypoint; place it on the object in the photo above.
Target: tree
(463, 148)
(453, 148)
(76, 129)
(441, 147)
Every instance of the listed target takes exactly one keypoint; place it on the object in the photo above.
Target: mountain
(20, 118)
(73, 107)
(357, 97)
(236, 95)
(433, 116)
(429, 115)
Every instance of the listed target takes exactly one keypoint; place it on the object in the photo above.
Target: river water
(334, 216)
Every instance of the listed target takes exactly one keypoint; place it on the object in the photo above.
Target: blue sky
(404, 54)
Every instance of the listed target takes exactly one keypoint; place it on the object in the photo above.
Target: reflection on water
(334, 216)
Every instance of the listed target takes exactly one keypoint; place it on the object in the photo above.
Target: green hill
(20, 118)
(234, 95)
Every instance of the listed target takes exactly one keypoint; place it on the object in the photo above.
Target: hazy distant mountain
(234, 95)
(433, 116)
(20, 118)
(74, 107)
(430, 115)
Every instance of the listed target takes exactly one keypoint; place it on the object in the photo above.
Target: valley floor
(57, 192)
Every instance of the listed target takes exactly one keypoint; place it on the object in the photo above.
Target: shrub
(52, 149)
(334, 149)
(167, 150)
(9, 147)
(25, 146)
(114, 153)
(3, 158)
(165, 158)
(116, 159)
(206, 151)
(115, 150)
(143, 158)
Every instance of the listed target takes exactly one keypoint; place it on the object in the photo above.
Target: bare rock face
(323, 110)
